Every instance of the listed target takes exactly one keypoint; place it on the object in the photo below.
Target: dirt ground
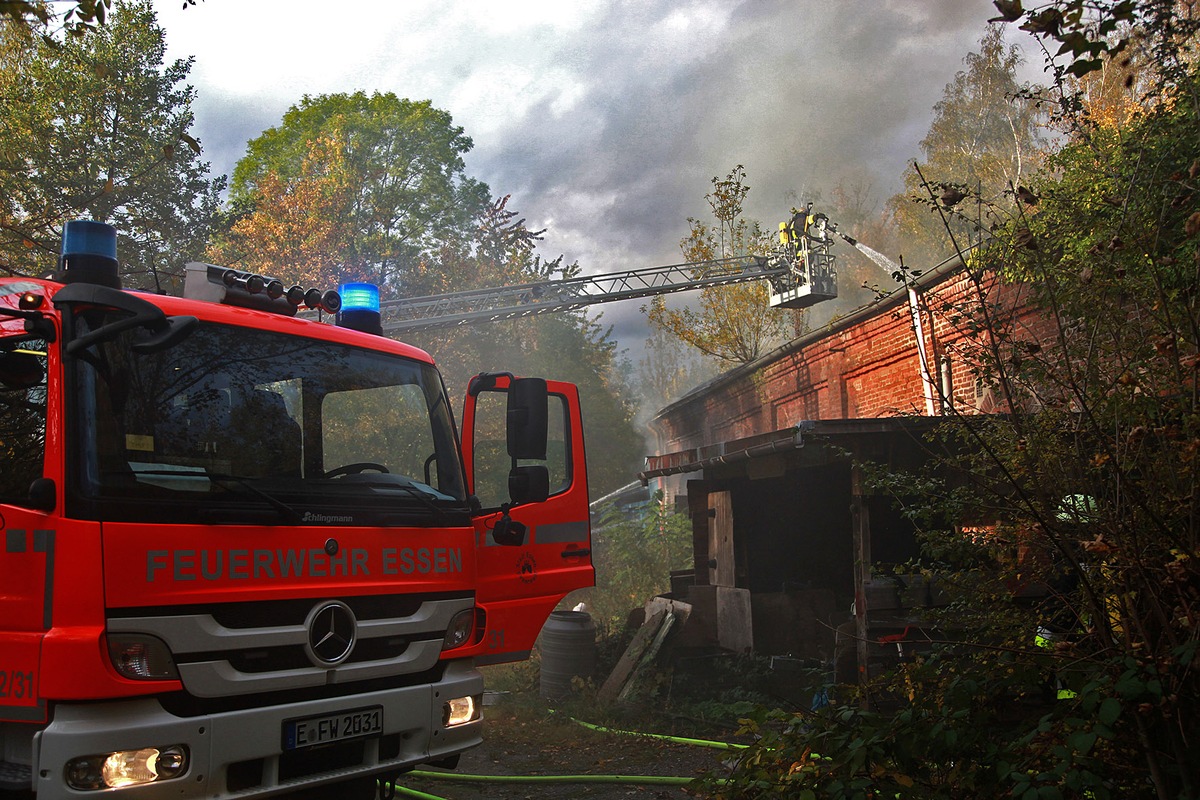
(523, 738)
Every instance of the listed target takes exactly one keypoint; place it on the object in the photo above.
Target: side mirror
(527, 415)
(157, 330)
(528, 484)
(20, 370)
(171, 332)
(43, 495)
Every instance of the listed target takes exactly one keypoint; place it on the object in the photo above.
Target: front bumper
(240, 753)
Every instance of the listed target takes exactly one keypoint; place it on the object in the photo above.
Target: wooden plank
(631, 658)
(679, 608)
(722, 571)
(633, 685)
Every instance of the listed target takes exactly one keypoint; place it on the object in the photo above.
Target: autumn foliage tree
(298, 230)
(389, 169)
(733, 324)
(983, 142)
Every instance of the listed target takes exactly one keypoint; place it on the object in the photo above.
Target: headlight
(460, 630)
(460, 711)
(127, 767)
(141, 657)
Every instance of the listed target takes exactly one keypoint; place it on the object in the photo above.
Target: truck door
(528, 565)
(27, 547)
(27, 562)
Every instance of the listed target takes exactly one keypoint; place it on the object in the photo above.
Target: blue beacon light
(359, 296)
(360, 308)
(89, 254)
(85, 236)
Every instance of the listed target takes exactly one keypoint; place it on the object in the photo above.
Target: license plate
(328, 728)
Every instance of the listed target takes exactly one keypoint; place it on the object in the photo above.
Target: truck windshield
(241, 425)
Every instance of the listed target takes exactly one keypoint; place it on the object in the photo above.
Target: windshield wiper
(287, 514)
(426, 499)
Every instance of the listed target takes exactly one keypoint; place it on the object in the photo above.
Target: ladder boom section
(527, 299)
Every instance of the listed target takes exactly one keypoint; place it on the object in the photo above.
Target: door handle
(580, 553)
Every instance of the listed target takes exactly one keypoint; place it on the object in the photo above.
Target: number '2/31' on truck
(246, 551)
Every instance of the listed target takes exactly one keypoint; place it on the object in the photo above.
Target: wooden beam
(860, 525)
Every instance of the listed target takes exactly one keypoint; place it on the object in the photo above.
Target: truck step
(15, 777)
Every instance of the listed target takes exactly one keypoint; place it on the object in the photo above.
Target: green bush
(634, 550)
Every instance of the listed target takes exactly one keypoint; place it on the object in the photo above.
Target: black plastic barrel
(568, 646)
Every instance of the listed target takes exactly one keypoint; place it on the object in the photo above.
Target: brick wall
(864, 365)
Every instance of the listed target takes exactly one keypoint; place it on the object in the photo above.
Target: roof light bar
(247, 289)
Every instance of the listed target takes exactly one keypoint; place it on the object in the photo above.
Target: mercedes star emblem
(332, 631)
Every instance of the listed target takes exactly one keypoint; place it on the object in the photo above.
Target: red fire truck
(246, 552)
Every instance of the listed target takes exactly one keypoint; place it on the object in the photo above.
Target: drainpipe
(947, 384)
(914, 307)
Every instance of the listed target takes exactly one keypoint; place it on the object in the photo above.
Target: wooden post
(860, 524)
(722, 566)
(697, 494)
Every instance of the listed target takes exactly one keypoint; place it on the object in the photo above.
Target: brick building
(785, 534)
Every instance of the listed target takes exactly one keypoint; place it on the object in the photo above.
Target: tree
(374, 188)
(1109, 96)
(390, 168)
(31, 16)
(639, 545)
(668, 369)
(566, 346)
(300, 230)
(1106, 472)
(734, 324)
(1115, 59)
(981, 144)
(98, 127)
(1092, 34)
(78, 19)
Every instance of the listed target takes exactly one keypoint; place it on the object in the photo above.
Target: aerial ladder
(800, 270)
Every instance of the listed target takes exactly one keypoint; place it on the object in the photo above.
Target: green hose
(664, 737)
(677, 739)
(638, 780)
(404, 791)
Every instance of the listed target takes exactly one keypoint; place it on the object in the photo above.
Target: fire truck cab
(246, 552)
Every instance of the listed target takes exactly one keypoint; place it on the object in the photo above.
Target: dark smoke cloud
(803, 94)
(608, 128)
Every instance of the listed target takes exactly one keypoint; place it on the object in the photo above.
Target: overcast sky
(604, 120)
